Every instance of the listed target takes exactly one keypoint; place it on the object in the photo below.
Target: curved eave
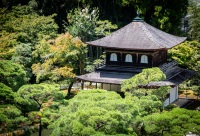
(116, 82)
(135, 49)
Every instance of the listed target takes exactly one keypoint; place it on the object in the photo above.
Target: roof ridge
(151, 36)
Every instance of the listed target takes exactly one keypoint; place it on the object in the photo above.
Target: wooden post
(82, 85)
(96, 85)
(136, 59)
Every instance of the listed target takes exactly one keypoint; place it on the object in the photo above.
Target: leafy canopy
(60, 59)
(23, 25)
(187, 54)
(85, 24)
(12, 74)
(176, 122)
(100, 112)
(133, 85)
(194, 20)
(10, 116)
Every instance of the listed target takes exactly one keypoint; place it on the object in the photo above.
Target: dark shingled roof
(174, 75)
(138, 35)
(106, 77)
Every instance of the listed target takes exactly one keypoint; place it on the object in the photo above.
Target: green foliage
(20, 28)
(85, 24)
(12, 74)
(29, 26)
(40, 96)
(90, 67)
(10, 115)
(37, 93)
(6, 94)
(143, 78)
(133, 85)
(175, 122)
(165, 14)
(23, 56)
(194, 20)
(10, 118)
(136, 84)
(187, 54)
(61, 58)
(99, 112)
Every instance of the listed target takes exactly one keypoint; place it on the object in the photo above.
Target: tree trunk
(40, 127)
(69, 89)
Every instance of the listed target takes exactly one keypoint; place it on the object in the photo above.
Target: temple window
(128, 58)
(113, 57)
(144, 59)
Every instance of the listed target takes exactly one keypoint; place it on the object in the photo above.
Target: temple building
(132, 48)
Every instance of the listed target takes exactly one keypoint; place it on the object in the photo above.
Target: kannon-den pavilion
(132, 48)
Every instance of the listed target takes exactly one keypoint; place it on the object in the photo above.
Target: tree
(163, 14)
(27, 24)
(38, 94)
(86, 25)
(176, 122)
(187, 54)
(194, 20)
(100, 112)
(21, 29)
(10, 116)
(137, 84)
(61, 59)
(12, 74)
(24, 25)
(23, 56)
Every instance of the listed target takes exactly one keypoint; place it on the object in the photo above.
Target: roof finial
(137, 19)
(138, 13)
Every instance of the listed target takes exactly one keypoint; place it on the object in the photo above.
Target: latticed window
(144, 59)
(128, 58)
(113, 57)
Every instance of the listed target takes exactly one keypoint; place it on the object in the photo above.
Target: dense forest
(42, 49)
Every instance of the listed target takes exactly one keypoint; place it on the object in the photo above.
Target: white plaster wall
(111, 87)
(172, 97)
(115, 88)
(106, 86)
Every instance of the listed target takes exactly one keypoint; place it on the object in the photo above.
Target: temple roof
(138, 35)
(174, 75)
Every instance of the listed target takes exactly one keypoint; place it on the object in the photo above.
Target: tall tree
(11, 117)
(59, 7)
(61, 59)
(38, 94)
(12, 74)
(187, 54)
(20, 30)
(85, 24)
(194, 20)
(165, 14)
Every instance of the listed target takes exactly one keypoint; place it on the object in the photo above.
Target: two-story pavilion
(136, 46)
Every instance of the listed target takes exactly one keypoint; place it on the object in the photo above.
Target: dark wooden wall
(154, 58)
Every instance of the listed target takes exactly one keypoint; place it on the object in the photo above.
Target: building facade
(132, 48)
